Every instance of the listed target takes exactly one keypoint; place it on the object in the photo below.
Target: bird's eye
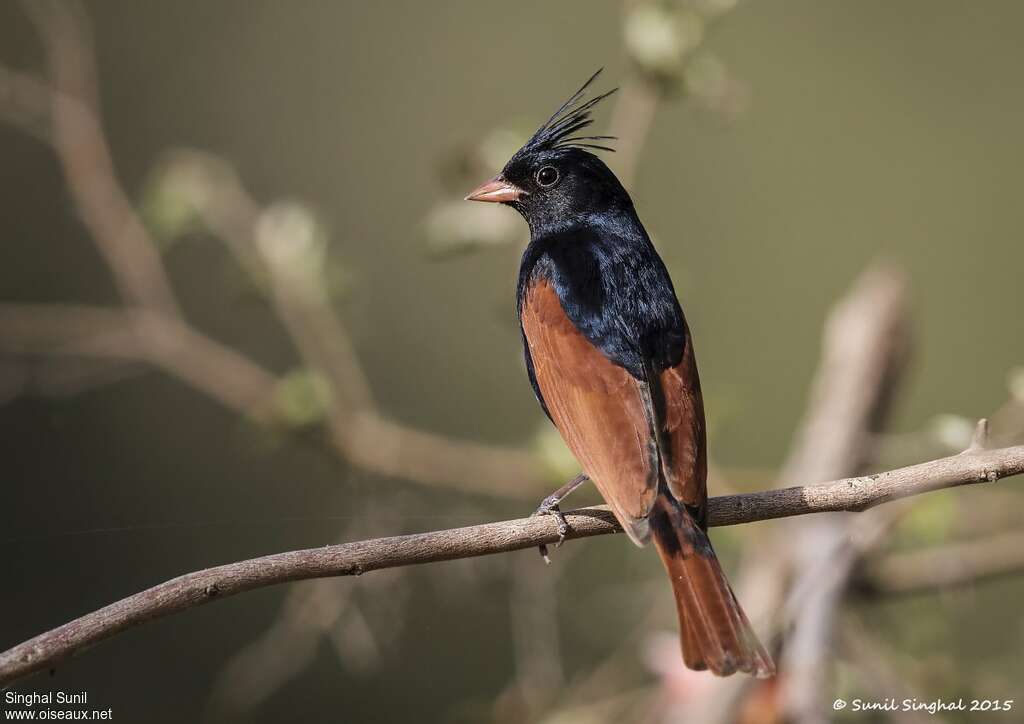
(547, 176)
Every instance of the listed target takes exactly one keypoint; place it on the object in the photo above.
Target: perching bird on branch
(611, 360)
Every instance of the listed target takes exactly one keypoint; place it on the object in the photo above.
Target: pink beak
(496, 190)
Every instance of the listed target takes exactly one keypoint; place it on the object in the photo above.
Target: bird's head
(554, 179)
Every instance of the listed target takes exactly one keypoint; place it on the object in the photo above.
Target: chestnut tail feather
(715, 633)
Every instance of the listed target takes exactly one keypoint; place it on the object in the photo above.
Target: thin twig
(352, 559)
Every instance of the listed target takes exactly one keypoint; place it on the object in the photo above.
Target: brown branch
(352, 559)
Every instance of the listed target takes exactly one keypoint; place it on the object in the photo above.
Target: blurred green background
(867, 129)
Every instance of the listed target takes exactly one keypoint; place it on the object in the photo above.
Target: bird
(611, 361)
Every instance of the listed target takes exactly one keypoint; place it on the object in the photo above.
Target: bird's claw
(550, 507)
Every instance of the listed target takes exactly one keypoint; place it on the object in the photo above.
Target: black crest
(572, 117)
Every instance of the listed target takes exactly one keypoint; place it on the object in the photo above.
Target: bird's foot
(549, 506)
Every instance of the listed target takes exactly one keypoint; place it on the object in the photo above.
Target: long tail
(715, 632)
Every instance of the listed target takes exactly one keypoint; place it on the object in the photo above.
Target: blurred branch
(152, 337)
(24, 103)
(85, 158)
(864, 350)
(279, 654)
(946, 566)
(665, 47)
(631, 122)
(539, 676)
(874, 666)
(327, 611)
(353, 559)
(151, 328)
(366, 440)
(283, 245)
